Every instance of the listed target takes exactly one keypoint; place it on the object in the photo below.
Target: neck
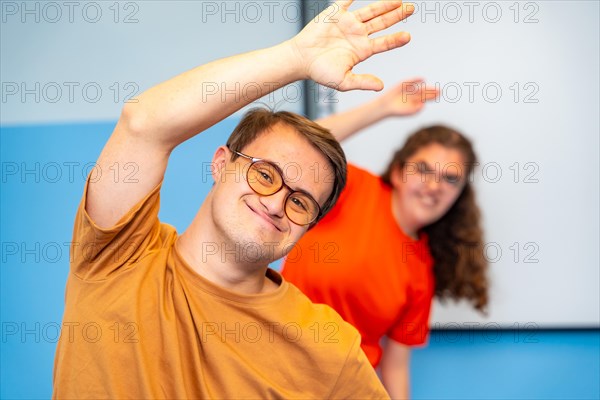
(217, 258)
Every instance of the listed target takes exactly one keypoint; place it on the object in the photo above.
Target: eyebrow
(306, 192)
(276, 165)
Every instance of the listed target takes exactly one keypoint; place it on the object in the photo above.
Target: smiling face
(257, 226)
(427, 186)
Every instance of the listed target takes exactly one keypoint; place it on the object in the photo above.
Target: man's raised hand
(337, 39)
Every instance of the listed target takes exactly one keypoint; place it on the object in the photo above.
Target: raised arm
(406, 98)
(166, 115)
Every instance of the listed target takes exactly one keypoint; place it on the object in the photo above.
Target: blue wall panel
(43, 175)
(508, 364)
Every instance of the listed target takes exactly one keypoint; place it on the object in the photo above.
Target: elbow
(134, 121)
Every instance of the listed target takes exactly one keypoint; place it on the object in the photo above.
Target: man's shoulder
(335, 348)
(317, 316)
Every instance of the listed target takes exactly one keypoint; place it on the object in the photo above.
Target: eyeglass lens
(265, 179)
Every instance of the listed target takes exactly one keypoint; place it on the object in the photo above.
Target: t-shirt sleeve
(354, 182)
(358, 379)
(97, 253)
(412, 328)
(357, 185)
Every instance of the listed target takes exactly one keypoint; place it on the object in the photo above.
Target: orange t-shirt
(358, 261)
(140, 323)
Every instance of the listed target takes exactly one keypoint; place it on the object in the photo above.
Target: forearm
(174, 111)
(396, 382)
(395, 369)
(345, 124)
(191, 102)
(406, 98)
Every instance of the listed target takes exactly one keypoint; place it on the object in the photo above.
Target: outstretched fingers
(360, 81)
(376, 9)
(412, 81)
(389, 18)
(347, 42)
(409, 85)
(344, 4)
(417, 86)
(381, 15)
(389, 42)
(431, 93)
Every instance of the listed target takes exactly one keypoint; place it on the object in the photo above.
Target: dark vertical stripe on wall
(310, 9)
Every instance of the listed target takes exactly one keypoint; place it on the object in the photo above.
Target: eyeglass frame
(283, 184)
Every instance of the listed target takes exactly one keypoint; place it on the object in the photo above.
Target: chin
(432, 220)
(424, 220)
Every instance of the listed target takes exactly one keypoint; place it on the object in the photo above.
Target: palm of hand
(334, 42)
(405, 104)
(336, 50)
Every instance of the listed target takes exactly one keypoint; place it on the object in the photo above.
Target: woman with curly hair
(394, 242)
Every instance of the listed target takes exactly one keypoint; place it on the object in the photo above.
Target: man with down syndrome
(219, 324)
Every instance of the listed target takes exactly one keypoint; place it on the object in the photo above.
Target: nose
(275, 204)
(433, 182)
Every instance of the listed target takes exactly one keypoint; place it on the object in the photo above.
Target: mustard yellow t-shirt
(139, 323)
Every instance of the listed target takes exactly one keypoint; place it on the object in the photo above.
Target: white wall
(63, 52)
(550, 128)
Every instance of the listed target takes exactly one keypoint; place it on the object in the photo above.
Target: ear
(219, 160)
